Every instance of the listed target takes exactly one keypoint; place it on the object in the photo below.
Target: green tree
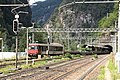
(107, 22)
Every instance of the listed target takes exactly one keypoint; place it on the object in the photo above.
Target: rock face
(85, 15)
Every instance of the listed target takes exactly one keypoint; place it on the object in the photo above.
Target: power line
(96, 2)
(88, 2)
(13, 5)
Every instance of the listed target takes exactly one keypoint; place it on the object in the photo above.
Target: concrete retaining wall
(9, 55)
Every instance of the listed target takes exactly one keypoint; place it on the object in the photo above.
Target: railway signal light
(15, 25)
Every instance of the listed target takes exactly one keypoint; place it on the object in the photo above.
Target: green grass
(113, 70)
(77, 56)
(102, 73)
(36, 64)
(9, 69)
(73, 56)
(59, 56)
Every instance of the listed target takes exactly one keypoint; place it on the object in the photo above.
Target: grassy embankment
(10, 69)
(113, 70)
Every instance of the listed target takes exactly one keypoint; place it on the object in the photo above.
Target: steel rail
(61, 77)
(92, 68)
(40, 67)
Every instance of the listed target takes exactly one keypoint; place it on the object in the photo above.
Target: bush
(95, 55)
(77, 55)
(68, 55)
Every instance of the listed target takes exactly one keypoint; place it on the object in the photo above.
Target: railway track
(59, 71)
(20, 61)
(39, 69)
(81, 71)
(89, 70)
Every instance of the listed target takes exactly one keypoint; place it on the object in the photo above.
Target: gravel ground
(71, 70)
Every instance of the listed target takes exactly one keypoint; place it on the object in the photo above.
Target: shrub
(95, 55)
(68, 55)
(77, 55)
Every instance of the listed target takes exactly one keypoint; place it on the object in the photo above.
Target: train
(36, 49)
(97, 49)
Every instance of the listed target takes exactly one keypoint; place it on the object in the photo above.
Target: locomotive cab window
(33, 47)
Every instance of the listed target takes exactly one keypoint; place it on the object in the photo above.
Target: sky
(33, 1)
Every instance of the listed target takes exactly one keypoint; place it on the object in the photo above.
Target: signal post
(15, 30)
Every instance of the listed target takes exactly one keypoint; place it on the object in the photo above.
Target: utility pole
(119, 30)
(33, 34)
(115, 37)
(16, 50)
(15, 23)
(68, 41)
(15, 30)
(118, 55)
(27, 44)
(48, 37)
(1, 44)
(27, 48)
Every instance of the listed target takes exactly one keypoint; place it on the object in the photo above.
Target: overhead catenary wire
(88, 2)
(13, 5)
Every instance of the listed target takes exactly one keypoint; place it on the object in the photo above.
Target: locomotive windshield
(33, 47)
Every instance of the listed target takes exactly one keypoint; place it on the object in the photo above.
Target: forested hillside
(75, 15)
(85, 15)
(43, 10)
(79, 16)
(110, 20)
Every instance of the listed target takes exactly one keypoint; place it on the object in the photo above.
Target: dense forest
(75, 15)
